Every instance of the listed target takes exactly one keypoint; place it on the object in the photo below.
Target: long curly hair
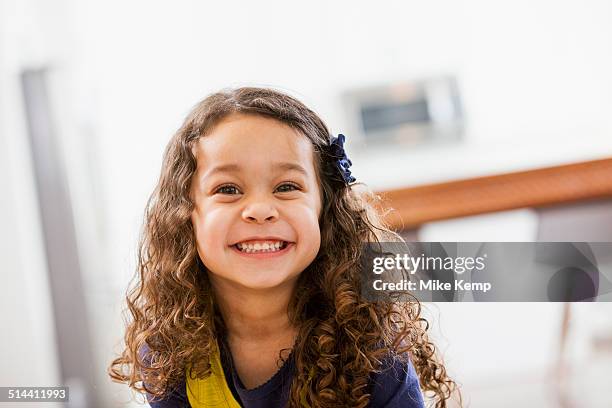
(342, 338)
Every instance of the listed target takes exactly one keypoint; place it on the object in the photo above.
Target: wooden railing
(549, 186)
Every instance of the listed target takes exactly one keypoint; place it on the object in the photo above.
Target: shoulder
(176, 396)
(397, 385)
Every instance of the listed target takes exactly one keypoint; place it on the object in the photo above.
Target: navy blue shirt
(396, 386)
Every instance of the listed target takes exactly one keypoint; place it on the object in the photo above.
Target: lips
(261, 238)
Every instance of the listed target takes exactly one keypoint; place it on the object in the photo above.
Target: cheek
(308, 224)
(209, 229)
(311, 243)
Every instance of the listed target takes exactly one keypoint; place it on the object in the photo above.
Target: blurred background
(427, 92)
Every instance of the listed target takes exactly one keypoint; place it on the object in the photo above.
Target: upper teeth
(260, 246)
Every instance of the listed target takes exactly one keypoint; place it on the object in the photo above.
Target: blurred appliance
(418, 112)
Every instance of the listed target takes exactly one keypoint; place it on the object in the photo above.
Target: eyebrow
(235, 168)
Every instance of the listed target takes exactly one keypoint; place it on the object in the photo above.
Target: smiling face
(257, 202)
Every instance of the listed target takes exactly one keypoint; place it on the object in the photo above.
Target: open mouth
(261, 247)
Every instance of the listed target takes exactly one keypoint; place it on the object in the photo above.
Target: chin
(264, 282)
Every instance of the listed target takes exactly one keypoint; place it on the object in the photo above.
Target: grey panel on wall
(60, 243)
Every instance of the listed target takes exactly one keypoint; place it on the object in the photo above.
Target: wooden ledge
(542, 187)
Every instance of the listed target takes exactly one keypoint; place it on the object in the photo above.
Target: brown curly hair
(172, 306)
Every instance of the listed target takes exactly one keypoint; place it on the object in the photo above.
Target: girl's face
(257, 202)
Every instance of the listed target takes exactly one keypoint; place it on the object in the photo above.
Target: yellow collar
(212, 391)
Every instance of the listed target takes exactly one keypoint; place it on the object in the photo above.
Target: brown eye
(283, 188)
(227, 189)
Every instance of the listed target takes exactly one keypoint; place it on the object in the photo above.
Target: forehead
(253, 141)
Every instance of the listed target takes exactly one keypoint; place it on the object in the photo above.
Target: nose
(260, 211)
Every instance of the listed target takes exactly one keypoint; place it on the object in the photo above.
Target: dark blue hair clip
(344, 163)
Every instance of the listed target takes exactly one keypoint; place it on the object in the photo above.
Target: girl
(248, 291)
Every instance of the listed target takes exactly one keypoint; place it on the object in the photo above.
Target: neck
(256, 316)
